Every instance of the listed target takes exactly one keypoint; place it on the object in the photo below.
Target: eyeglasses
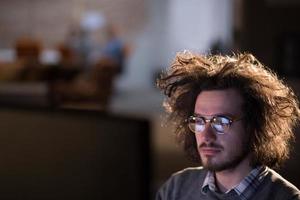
(220, 123)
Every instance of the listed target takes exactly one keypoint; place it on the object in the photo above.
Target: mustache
(211, 145)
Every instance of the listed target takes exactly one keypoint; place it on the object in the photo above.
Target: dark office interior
(81, 117)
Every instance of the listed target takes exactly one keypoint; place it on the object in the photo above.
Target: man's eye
(200, 121)
(221, 120)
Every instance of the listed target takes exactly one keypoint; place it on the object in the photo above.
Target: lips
(209, 151)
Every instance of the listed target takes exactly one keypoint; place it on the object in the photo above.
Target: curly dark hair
(270, 106)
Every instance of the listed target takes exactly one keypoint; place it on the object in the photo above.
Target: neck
(229, 178)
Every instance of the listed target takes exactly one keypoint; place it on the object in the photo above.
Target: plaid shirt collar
(245, 189)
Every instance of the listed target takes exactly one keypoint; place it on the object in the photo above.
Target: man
(236, 117)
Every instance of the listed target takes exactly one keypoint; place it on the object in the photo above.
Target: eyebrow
(217, 114)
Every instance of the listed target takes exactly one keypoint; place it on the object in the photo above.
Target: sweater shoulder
(276, 187)
(189, 175)
(189, 170)
(277, 179)
(186, 181)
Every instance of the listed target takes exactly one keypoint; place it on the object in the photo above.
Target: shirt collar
(244, 189)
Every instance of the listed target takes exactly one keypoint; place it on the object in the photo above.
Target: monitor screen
(68, 154)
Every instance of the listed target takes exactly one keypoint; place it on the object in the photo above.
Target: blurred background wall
(149, 33)
(156, 30)
(50, 21)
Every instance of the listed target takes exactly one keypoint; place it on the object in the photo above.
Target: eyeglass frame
(231, 119)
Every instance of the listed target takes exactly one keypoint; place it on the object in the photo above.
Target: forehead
(212, 102)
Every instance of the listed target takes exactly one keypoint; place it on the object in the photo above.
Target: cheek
(234, 143)
(199, 139)
(238, 134)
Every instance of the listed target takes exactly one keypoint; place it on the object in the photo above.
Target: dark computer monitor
(69, 154)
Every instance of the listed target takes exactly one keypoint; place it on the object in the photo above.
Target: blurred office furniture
(67, 56)
(58, 84)
(29, 81)
(28, 49)
(26, 94)
(104, 73)
(72, 154)
(96, 86)
(66, 82)
(71, 57)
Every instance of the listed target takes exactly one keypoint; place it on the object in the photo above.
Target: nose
(208, 133)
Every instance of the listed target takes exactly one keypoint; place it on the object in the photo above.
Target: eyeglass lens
(218, 123)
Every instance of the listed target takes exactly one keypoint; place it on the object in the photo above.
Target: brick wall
(50, 20)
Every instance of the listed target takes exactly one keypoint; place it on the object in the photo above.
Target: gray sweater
(186, 185)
